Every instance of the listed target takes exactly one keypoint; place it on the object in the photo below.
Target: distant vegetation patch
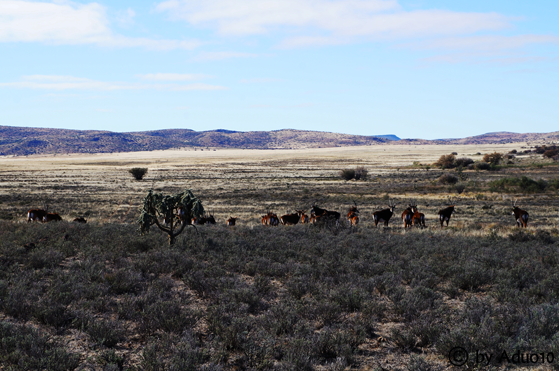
(448, 179)
(523, 184)
(359, 173)
(451, 162)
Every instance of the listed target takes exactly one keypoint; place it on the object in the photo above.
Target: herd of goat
(410, 217)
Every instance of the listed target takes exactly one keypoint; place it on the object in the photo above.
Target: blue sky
(418, 68)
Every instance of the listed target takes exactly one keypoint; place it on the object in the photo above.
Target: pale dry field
(245, 183)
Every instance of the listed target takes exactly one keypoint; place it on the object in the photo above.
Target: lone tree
(175, 211)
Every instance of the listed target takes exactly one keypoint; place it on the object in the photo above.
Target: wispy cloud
(215, 56)
(304, 23)
(492, 49)
(125, 18)
(488, 57)
(259, 80)
(61, 83)
(298, 105)
(172, 77)
(65, 22)
(336, 19)
(484, 42)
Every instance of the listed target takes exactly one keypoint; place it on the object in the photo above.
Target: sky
(414, 68)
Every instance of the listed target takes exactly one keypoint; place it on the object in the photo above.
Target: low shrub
(448, 178)
(359, 173)
(347, 174)
(460, 188)
(470, 276)
(168, 316)
(138, 172)
(24, 348)
(523, 184)
(463, 161)
(481, 165)
(105, 332)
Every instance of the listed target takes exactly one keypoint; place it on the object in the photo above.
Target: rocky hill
(504, 137)
(18, 141)
(27, 141)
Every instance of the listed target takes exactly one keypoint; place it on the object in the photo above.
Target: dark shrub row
(523, 184)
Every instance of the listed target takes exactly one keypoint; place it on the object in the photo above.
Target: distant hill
(501, 137)
(389, 136)
(27, 141)
(20, 141)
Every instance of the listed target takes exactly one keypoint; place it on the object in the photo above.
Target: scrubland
(101, 296)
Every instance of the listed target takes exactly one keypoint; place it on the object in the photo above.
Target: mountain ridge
(18, 141)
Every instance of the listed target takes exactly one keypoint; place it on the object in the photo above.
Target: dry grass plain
(415, 278)
(245, 183)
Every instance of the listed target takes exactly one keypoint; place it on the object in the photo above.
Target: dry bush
(359, 173)
(347, 174)
(446, 162)
(493, 158)
(460, 188)
(551, 153)
(481, 165)
(463, 162)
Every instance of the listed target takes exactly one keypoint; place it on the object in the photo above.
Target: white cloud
(61, 83)
(380, 19)
(215, 56)
(65, 22)
(172, 77)
(259, 16)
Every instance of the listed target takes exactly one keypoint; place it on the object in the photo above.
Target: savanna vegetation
(103, 296)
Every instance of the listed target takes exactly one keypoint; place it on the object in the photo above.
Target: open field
(241, 183)
(103, 297)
